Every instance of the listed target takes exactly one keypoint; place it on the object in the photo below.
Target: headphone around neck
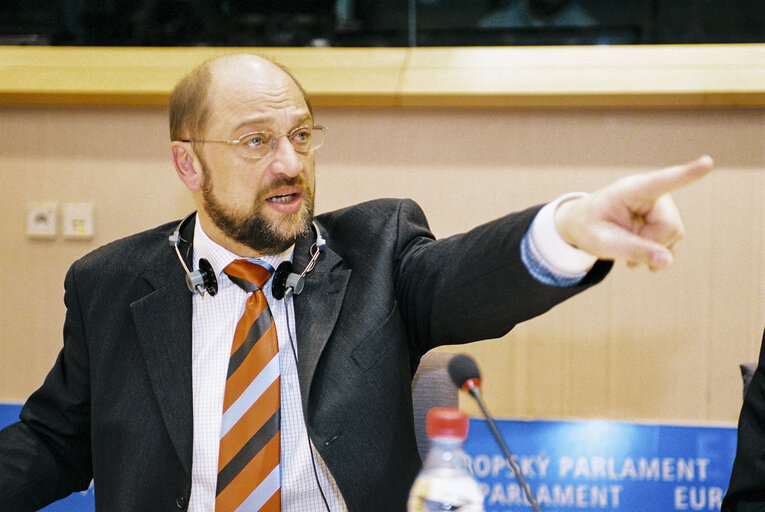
(286, 282)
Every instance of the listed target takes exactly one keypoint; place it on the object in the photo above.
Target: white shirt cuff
(560, 256)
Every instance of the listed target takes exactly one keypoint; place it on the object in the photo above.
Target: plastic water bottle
(445, 482)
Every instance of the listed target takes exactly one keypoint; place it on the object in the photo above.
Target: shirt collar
(219, 257)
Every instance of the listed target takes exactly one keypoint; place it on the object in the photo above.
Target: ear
(187, 165)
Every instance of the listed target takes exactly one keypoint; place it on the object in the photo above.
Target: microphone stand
(475, 392)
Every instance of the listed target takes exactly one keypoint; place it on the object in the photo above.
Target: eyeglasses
(256, 145)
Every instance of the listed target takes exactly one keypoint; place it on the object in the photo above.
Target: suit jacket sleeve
(127, 325)
(46, 456)
(474, 286)
(746, 491)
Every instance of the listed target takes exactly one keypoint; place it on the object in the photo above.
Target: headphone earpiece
(286, 283)
(203, 279)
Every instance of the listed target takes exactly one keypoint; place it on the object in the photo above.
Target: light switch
(41, 220)
(77, 220)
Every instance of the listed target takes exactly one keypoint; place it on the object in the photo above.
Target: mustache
(272, 187)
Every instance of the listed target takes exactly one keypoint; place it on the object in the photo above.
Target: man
(746, 491)
(136, 399)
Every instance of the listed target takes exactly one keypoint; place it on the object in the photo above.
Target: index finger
(655, 184)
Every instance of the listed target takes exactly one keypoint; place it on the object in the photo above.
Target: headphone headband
(286, 283)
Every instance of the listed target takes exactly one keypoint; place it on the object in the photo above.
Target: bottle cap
(446, 422)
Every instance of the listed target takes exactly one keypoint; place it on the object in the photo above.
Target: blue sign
(576, 465)
(603, 465)
(77, 502)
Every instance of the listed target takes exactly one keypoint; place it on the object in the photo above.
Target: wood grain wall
(641, 346)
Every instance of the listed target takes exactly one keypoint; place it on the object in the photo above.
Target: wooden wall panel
(641, 346)
(633, 76)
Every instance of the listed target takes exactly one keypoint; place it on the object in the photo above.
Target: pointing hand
(634, 219)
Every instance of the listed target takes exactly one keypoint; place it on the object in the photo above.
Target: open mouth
(283, 199)
(286, 200)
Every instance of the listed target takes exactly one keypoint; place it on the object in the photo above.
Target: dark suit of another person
(117, 405)
(746, 492)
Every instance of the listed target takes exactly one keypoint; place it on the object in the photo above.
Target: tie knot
(248, 275)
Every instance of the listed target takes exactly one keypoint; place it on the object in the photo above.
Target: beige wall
(641, 346)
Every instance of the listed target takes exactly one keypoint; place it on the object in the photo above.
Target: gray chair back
(431, 387)
(747, 372)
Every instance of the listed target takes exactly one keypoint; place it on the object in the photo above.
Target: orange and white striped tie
(248, 465)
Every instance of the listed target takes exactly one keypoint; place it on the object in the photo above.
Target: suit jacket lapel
(163, 323)
(317, 308)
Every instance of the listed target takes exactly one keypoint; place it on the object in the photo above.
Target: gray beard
(254, 230)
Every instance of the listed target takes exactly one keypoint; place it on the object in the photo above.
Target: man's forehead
(249, 71)
(246, 80)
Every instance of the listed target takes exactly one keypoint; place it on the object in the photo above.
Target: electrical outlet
(77, 220)
(41, 220)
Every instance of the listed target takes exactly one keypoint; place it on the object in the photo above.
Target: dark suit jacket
(746, 492)
(117, 405)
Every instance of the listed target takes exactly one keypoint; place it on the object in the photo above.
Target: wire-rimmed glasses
(257, 145)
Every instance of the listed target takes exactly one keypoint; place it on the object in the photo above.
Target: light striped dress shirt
(548, 258)
(213, 324)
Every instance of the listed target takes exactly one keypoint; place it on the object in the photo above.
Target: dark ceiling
(365, 23)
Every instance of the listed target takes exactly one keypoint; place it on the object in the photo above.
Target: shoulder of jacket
(130, 250)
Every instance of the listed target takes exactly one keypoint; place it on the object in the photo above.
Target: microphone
(465, 374)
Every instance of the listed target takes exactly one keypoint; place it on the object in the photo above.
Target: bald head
(192, 99)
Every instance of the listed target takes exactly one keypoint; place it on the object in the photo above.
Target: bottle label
(438, 495)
